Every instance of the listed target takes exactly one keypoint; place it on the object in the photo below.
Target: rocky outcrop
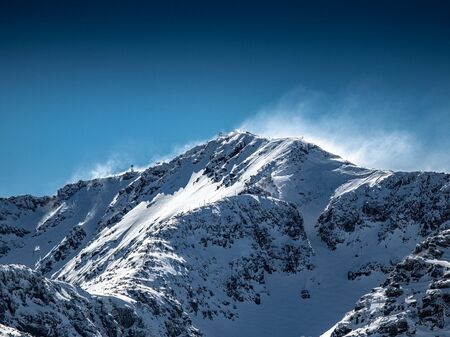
(413, 301)
(36, 306)
(62, 250)
(402, 202)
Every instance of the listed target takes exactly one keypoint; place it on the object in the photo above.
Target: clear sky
(89, 87)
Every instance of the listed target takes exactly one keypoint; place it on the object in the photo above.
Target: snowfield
(240, 236)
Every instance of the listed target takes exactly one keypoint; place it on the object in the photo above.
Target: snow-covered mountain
(240, 236)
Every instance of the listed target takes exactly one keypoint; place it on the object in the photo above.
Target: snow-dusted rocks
(37, 306)
(31, 228)
(413, 301)
(404, 205)
(18, 219)
(384, 216)
(6, 331)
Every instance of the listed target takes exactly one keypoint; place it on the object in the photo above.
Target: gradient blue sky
(89, 87)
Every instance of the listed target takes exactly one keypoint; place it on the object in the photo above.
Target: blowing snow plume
(359, 127)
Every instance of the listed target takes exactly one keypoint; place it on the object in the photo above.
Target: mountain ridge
(228, 233)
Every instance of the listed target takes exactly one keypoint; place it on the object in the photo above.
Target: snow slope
(239, 236)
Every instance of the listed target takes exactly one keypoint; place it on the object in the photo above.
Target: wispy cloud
(357, 129)
(120, 162)
(115, 164)
(176, 151)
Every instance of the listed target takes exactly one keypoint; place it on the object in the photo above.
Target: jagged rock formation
(407, 203)
(413, 301)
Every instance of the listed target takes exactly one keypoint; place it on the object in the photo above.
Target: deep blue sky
(82, 82)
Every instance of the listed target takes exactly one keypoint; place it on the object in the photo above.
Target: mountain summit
(240, 236)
